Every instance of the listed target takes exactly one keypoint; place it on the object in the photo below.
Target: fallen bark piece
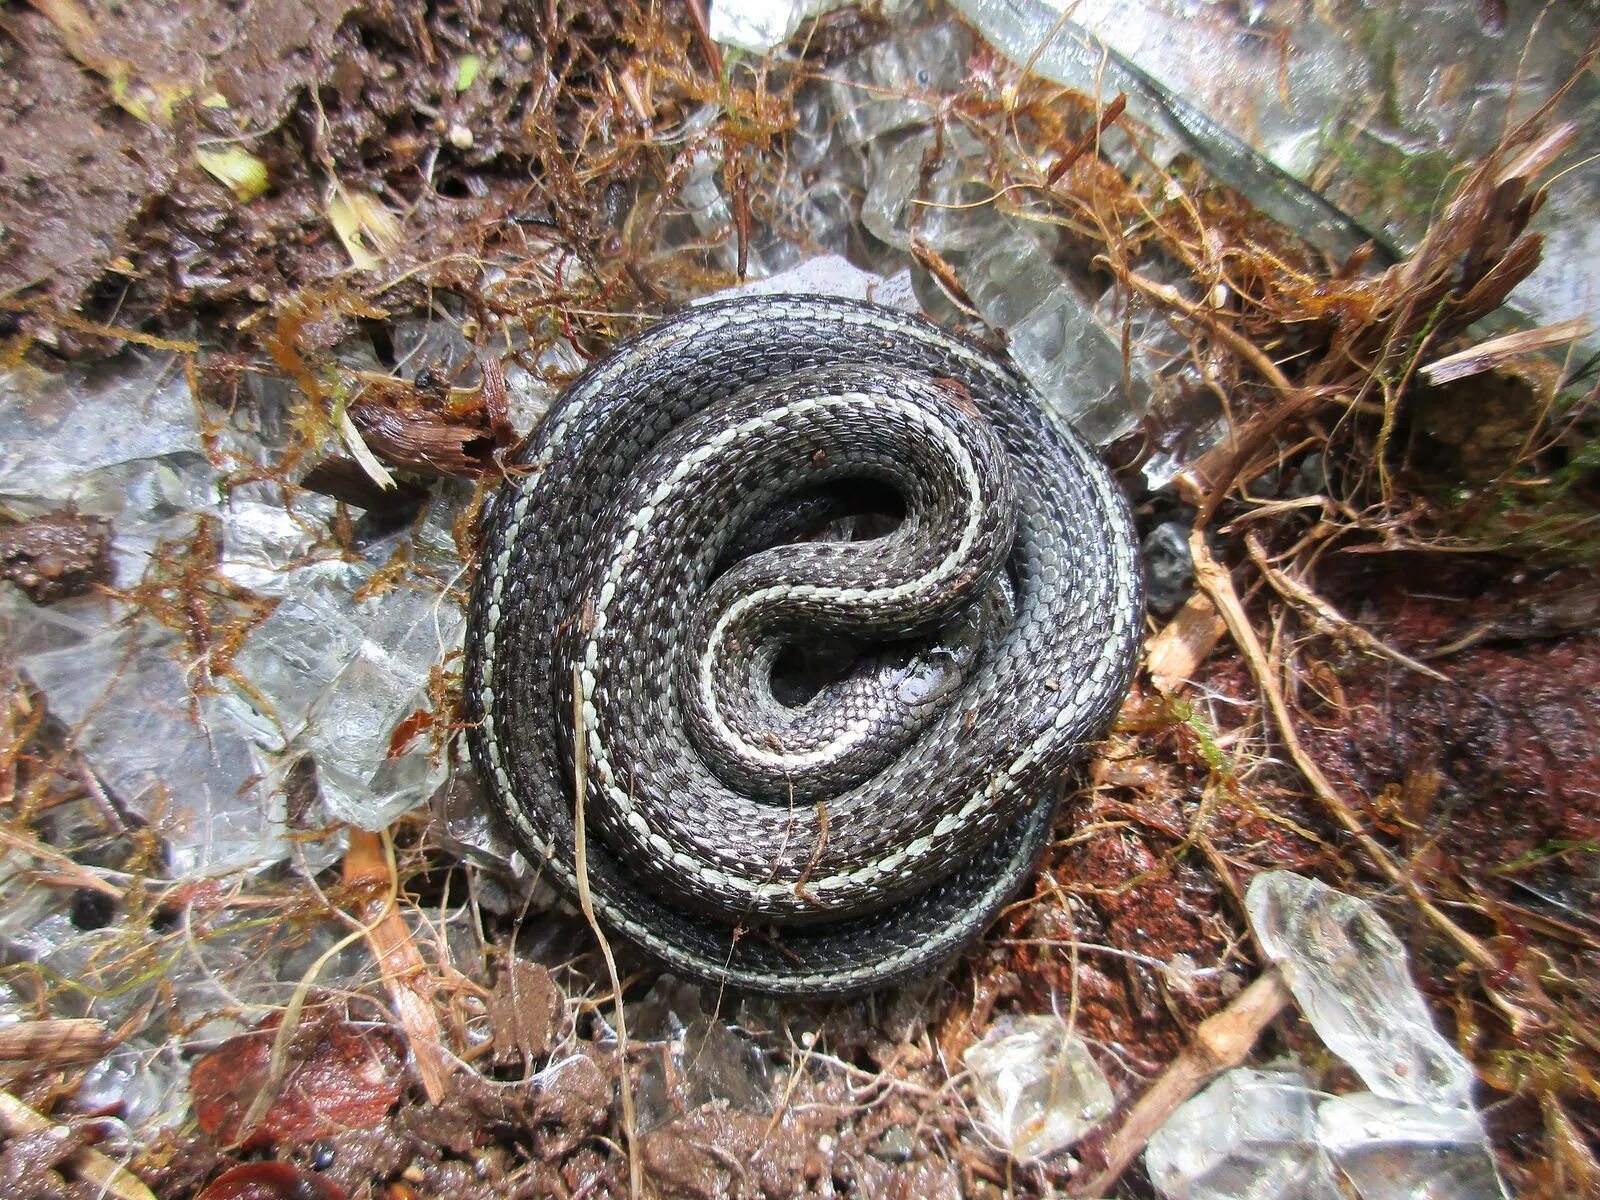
(1174, 655)
(271, 1181)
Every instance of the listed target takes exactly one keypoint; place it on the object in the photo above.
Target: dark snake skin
(829, 844)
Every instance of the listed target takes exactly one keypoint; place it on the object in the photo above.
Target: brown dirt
(81, 177)
(54, 556)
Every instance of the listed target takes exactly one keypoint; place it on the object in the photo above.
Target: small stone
(898, 1144)
(54, 556)
(1168, 567)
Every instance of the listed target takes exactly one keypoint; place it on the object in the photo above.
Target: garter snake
(822, 843)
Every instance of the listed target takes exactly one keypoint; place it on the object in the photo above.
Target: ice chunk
(1394, 1151)
(1251, 1135)
(699, 1059)
(707, 204)
(265, 535)
(1054, 336)
(176, 758)
(366, 776)
(334, 671)
(891, 84)
(761, 25)
(830, 275)
(1038, 1088)
(55, 430)
(1349, 976)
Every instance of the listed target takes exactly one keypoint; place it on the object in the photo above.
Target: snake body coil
(822, 843)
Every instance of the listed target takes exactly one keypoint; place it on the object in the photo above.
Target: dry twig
(405, 973)
(580, 757)
(1221, 1041)
(1217, 584)
(1327, 619)
(48, 1043)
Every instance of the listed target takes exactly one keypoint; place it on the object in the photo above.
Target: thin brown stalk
(111, 1177)
(405, 973)
(1221, 1041)
(1218, 585)
(580, 849)
(1327, 619)
(47, 1043)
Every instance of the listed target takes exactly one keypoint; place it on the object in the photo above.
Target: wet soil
(437, 117)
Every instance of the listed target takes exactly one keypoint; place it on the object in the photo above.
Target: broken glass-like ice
(1251, 1135)
(1038, 1088)
(175, 757)
(1349, 976)
(1049, 38)
(1011, 276)
(56, 430)
(891, 84)
(761, 25)
(1343, 122)
(1394, 1151)
(691, 1058)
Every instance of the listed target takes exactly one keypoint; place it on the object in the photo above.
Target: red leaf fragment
(339, 1076)
(271, 1181)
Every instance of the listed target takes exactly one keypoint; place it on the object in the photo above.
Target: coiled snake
(843, 836)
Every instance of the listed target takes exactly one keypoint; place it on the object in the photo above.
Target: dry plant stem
(1325, 617)
(580, 847)
(1248, 440)
(1577, 1171)
(80, 325)
(1221, 1041)
(1217, 584)
(1089, 141)
(278, 1061)
(49, 1042)
(1173, 655)
(1485, 356)
(76, 874)
(702, 34)
(405, 973)
(112, 1178)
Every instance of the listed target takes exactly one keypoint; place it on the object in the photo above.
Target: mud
(55, 556)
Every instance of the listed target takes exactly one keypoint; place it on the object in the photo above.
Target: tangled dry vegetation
(1387, 676)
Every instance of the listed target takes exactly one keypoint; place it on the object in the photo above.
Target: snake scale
(646, 552)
